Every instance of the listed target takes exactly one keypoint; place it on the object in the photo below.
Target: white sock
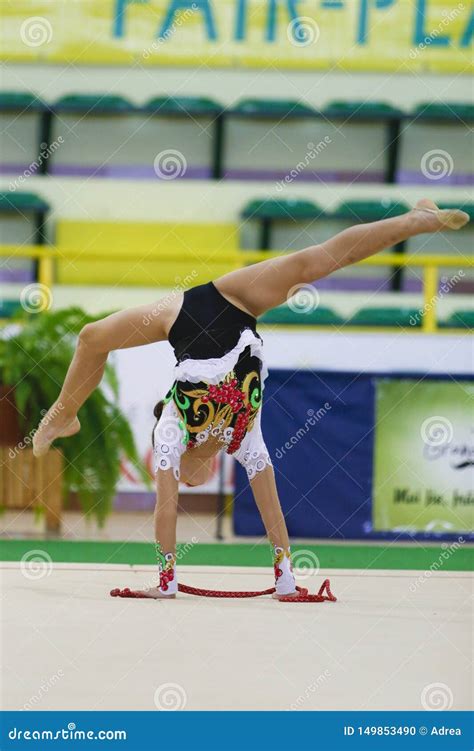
(284, 579)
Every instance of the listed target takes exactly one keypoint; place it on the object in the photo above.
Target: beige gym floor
(67, 645)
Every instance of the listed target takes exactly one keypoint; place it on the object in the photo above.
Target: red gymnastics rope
(324, 594)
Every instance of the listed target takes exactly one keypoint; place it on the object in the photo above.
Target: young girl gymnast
(216, 398)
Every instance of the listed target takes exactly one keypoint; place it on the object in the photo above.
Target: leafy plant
(35, 353)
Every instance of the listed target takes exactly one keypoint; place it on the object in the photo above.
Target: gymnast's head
(196, 466)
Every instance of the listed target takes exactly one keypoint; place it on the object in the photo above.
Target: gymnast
(215, 401)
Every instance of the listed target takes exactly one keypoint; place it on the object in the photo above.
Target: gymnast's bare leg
(128, 328)
(267, 284)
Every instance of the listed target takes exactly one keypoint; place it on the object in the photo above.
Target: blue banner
(320, 429)
(233, 731)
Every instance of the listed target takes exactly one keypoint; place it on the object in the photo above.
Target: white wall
(200, 201)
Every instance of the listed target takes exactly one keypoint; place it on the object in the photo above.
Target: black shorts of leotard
(207, 325)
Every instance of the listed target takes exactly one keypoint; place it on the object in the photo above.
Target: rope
(324, 594)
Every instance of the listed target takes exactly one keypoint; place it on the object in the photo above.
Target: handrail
(46, 255)
(38, 252)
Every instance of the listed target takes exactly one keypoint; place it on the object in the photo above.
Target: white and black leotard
(218, 384)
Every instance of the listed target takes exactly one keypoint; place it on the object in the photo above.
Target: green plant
(34, 357)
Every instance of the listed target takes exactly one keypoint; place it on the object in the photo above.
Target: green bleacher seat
(14, 101)
(369, 211)
(321, 316)
(396, 316)
(360, 110)
(94, 103)
(449, 111)
(287, 209)
(460, 319)
(13, 201)
(183, 106)
(8, 308)
(272, 108)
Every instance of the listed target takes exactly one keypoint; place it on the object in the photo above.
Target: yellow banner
(376, 35)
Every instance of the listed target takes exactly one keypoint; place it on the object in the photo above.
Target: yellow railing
(47, 255)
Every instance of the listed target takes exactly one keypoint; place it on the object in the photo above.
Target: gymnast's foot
(433, 219)
(54, 425)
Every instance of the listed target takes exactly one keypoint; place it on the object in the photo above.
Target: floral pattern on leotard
(226, 410)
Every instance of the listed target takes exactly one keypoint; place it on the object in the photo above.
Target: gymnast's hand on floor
(154, 593)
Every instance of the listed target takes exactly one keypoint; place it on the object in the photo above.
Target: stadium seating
(333, 142)
(343, 140)
(438, 145)
(22, 221)
(267, 212)
(22, 119)
(135, 136)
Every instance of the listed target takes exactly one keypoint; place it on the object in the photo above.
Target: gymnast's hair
(157, 411)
